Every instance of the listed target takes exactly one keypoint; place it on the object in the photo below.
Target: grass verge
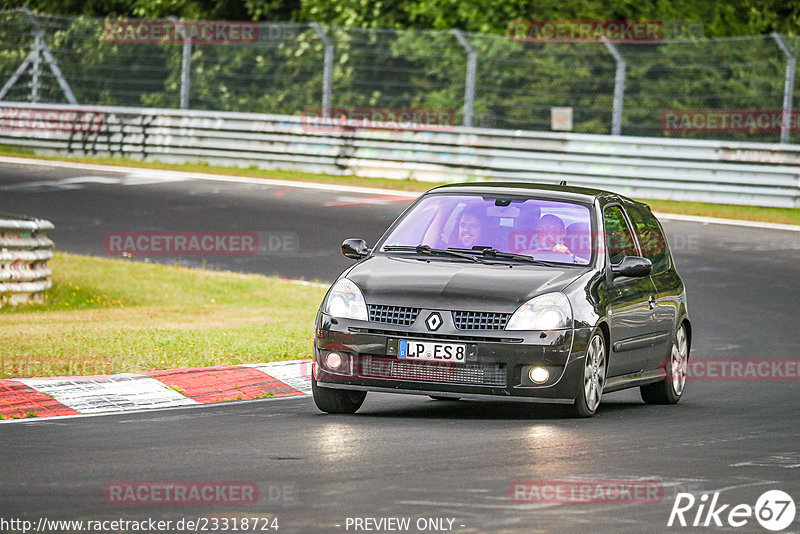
(107, 316)
(725, 211)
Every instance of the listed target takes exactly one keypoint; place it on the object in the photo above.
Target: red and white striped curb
(46, 397)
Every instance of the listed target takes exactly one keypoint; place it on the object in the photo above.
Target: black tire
(337, 400)
(595, 365)
(435, 397)
(670, 390)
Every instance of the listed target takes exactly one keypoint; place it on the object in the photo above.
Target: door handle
(651, 302)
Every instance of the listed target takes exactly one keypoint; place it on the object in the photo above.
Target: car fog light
(333, 361)
(538, 375)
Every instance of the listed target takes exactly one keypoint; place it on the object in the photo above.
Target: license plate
(432, 352)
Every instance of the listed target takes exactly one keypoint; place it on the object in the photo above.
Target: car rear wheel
(337, 400)
(670, 390)
(594, 377)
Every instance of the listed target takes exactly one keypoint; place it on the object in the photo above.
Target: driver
(549, 236)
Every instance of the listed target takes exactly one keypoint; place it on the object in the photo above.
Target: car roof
(556, 192)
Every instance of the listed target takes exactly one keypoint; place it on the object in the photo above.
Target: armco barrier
(24, 251)
(645, 167)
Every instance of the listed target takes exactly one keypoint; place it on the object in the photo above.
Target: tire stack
(24, 252)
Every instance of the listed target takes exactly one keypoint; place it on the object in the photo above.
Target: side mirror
(633, 266)
(355, 249)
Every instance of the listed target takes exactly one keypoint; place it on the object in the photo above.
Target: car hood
(444, 284)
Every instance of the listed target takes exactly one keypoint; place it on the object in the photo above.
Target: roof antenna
(562, 182)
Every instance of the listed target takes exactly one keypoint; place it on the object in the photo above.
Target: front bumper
(497, 361)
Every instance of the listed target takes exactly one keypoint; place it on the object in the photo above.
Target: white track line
(203, 176)
(183, 175)
(734, 222)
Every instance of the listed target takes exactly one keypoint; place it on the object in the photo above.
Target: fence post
(619, 88)
(472, 66)
(186, 72)
(327, 72)
(186, 62)
(788, 87)
(36, 67)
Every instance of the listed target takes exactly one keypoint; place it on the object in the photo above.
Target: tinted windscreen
(544, 229)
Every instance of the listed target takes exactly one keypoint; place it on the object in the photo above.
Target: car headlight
(345, 301)
(545, 312)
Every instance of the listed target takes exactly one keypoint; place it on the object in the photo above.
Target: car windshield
(547, 230)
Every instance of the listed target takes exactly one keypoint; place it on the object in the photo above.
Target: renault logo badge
(434, 321)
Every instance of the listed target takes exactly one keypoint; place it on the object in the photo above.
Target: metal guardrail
(24, 251)
(692, 170)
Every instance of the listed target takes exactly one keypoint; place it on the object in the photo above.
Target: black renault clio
(509, 291)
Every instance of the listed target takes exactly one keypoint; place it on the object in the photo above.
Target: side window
(651, 238)
(619, 240)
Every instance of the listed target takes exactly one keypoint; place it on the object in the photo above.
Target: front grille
(477, 374)
(466, 320)
(435, 335)
(399, 315)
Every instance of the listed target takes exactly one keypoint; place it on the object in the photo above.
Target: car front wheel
(337, 400)
(594, 377)
(670, 390)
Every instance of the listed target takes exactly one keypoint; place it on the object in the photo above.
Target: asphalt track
(410, 456)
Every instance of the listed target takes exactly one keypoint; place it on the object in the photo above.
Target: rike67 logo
(774, 510)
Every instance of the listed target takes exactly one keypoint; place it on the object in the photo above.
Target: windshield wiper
(490, 252)
(427, 249)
